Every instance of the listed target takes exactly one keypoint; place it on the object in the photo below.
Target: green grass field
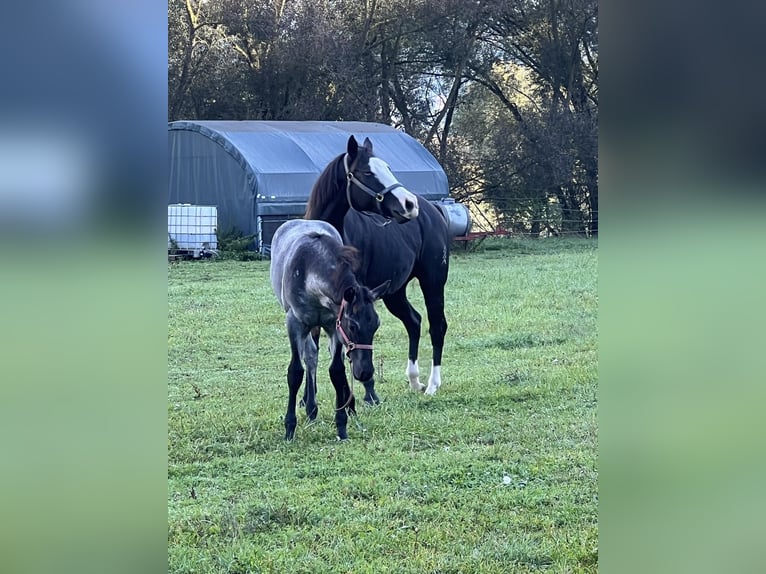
(495, 473)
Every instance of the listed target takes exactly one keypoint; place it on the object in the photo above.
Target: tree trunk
(385, 73)
(448, 110)
(179, 94)
(571, 216)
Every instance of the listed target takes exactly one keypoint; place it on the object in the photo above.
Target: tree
(551, 118)
(504, 94)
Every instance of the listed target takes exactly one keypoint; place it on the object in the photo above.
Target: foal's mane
(344, 276)
(324, 190)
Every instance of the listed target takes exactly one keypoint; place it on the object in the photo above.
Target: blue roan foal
(312, 274)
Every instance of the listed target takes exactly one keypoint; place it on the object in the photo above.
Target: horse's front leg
(343, 397)
(401, 308)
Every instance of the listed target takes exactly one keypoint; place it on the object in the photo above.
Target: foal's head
(373, 187)
(358, 323)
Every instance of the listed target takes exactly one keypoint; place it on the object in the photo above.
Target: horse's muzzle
(407, 207)
(362, 372)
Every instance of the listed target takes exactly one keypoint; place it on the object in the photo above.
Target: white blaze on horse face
(435, 380)
(407, 199)
(413, 374)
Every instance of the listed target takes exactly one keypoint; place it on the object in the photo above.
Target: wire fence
(526, 217)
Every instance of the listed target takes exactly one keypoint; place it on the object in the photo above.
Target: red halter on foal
(350, 345)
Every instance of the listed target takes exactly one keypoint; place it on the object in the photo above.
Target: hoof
(313, 414)
(371, 398)
(431, 390)
(418, 388)
(290, 426)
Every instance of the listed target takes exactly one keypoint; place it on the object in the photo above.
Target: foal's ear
(368, 145)
(349, 295)
(380, 290)
(352, 146)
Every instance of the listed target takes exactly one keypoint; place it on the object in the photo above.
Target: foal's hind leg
(309, 357)
(305, 400)
(294, 372)
(401, 308)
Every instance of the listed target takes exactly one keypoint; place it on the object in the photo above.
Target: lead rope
(351, 396)
(350, 346)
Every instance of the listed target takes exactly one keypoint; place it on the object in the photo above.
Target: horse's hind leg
(401, 308)
(304, 400)
(294, 373)
(433, 294)
(310, 360)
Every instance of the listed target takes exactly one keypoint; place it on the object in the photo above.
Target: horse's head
(371, 186)
(357, 324)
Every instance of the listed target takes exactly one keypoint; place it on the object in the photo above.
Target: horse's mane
(323, 191)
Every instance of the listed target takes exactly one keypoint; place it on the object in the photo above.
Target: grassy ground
(496, 473)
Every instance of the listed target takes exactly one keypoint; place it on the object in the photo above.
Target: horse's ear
(380, 290)
(352, 147)
(368, 145)
(349, 295)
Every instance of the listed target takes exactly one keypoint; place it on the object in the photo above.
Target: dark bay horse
(352, 194)
(313, 277)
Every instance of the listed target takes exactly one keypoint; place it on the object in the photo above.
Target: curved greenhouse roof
(260, 173)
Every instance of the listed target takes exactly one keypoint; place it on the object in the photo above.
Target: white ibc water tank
(193, 227)
(457, 216)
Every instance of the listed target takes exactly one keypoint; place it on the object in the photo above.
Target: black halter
(352, 179)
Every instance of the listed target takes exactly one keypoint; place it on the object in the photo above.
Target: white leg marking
(413, 374)
(435, 380)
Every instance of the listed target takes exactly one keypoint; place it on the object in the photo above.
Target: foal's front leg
(370, 396)
(343, 397)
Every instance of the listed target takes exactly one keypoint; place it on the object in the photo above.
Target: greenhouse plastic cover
(257, 168)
